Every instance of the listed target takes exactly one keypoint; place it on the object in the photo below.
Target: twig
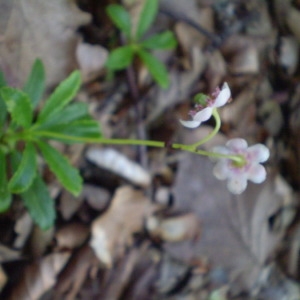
(215, 39)
(132, 83)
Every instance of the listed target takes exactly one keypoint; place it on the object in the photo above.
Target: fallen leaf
(3, 278)
(75, 273)
(39, 277)
(54, 42)
(112, 231)
(119, 164)
(91, 60)
(23, 228)
(236, 233)
(71, 236)
(174, 229)
(7, 254)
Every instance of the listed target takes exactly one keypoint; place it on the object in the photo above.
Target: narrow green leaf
(156, 68)
(2, 79)
(40, 204)
(5, 195)
(62, 95)
(147, 17)
(164, 40)
(68, 114)
(120, 18)
(120, 58)
(3, 110)
(35, 84)
(85, 128)
(67, 175)
(25, 172)
(19, 106)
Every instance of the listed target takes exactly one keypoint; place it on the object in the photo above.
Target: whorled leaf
(26, 171)
(62, 95)
(68, 176)
(120, 18)
(18, 105)
(35, 85)
(5, 195)
(155, 68)
(39, 203)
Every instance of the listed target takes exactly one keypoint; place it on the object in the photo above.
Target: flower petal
(257, 173)
(203, 115)
(258, 153)
(220, 170)
(190, 124)
(223, 96)
(236, 185)
(236, 145)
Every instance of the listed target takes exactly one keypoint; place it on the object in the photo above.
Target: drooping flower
(237, 174)
(204, 110)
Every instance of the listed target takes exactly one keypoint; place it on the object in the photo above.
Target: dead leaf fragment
(71, 236)
(91, 60)
(236, 233)
(23, 228)
(39, 277)
(39, 29)
(174, 229)
(3, 278)
(119, 164)
(112, 231)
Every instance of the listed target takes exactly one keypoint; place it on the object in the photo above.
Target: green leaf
(120, 18)
(67, 175)
(19, 106)
(62, 95)
(3, 110)
(164, 40)
(155, 67)
(35, 84)
(120, 58)
(2, 80)
(40, 204)
(68, 114)
(26, 171)
(147, 17)
(86, 128)
(5, 195)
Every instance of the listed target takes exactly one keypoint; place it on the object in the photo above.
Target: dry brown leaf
(119, 164)
(3, 278)
(39, 277)
(95, 196)
(188, 37)
(40, 240)
(71, 236)
(39, 29)
(112, 231)
(73, 276)
(7, 254)
(174, 229)
(180, 86)
(91, 60)
(69, 204)
(23, 228)
(236, 231)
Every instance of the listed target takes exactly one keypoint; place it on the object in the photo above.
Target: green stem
(158, 144)
(213, 133)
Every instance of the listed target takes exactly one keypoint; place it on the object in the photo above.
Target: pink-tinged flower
(203, 112)
(236, 174)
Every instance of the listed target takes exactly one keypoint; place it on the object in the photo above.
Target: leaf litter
(195, 241)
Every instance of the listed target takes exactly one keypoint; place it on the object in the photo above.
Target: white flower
(236, 175)
(203, 113)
